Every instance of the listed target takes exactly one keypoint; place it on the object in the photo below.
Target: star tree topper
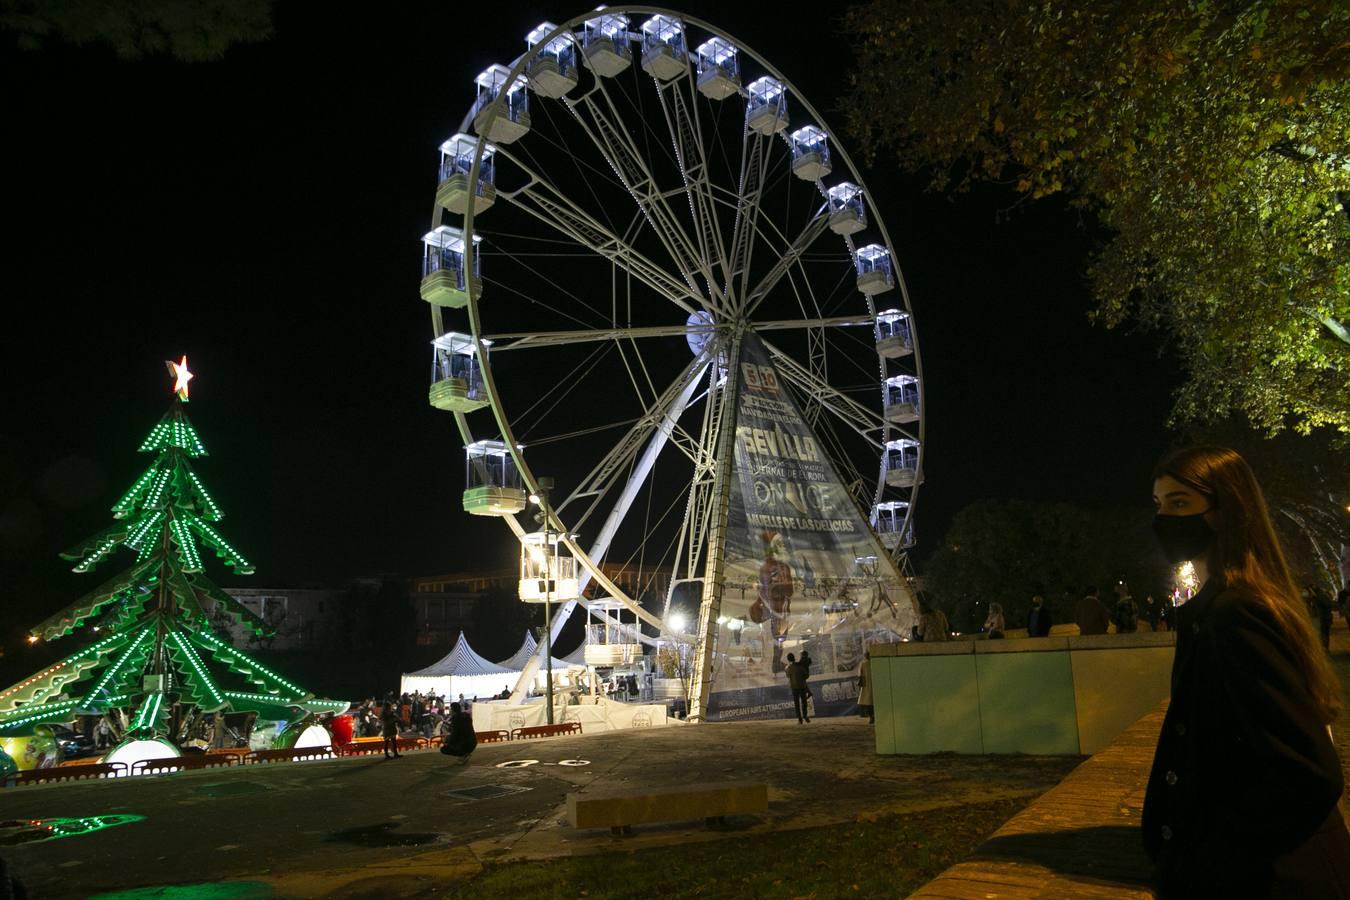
(179, 370)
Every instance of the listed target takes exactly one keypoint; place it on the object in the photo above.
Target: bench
(620, 810)
(288, 755)
(68, 773)
(542, 731)
(492, 737)
(235, 753)
(178, 763)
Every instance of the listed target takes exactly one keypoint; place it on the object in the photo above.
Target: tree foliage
(1211, 138)
(187, 30)
(1006, 550)
(1306, 482)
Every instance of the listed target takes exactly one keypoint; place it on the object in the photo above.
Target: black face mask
(1183, 537)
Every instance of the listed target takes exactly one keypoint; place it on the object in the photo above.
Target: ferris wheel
(665, 307)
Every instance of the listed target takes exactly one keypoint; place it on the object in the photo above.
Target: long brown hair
(1246, 553)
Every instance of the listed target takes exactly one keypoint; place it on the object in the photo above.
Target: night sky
(263, 216)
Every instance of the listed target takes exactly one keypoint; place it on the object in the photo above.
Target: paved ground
(366, 824)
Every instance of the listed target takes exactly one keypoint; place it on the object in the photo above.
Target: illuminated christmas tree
(155, 645)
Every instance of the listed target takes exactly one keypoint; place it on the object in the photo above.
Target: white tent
(527, 649)
(577, 657)
(461, 671)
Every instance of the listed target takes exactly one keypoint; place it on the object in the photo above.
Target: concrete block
(1113, 688)
(612, 809)
(935, 704)
(1123, 641)
(1027, 702)
(1025, 645)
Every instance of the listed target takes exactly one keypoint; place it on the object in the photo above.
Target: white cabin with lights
(847, 213)
(902, 399)
(719, 72)
(902, 462)
(506, 105)
(610, 641)
(452, 192)
(548, 573)
(553, 71)
(456, 377)
(766, 106)
(894, 338)
(491, 481)
(604, 44)
(449, 269)
(873, 264)
(664, 54)
(891, 522)
(810, 153)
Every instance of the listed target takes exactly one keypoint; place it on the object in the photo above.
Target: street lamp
(541, 500)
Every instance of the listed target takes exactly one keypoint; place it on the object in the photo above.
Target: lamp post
(541, 498)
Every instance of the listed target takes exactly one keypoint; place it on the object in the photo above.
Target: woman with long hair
(1242, 798)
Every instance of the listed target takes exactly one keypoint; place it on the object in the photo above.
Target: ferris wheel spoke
(686, 133)
(831, 322)
(789, 258)
(547, 204)
(754, 148)
(664, 413)
(530, 340)
(616, 145)
(864, 421)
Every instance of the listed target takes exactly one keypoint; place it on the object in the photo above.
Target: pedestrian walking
(389, 728)
(1038, 620)
(1125, 616)
(1242, 797)
(1091, 615)
(1152, 612)
(461, 740)
(865, 707)
(1323, 609)
(796, 676)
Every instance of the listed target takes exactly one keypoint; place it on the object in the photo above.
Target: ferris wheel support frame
(600, 547)
(710, 604)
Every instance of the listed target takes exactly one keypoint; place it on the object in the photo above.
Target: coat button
(1195, 629)
(1166, 832)
(1181, 729)
(1171, 777)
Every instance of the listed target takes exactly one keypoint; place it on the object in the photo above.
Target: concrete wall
(1053, 695)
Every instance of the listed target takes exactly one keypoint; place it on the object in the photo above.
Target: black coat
(461, 740)
(1038, 622)
(1242, 797)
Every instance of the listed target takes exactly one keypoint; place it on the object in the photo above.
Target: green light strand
(241, 701)
(155, 440)
(148, 713)
(193, 660)
(127, 504)
(121, 661)
(47, 711)
(251, 665)
(95, 556)
(156, 492)
(187, 547)
(213, 511)
(232, 557)
(147, 525)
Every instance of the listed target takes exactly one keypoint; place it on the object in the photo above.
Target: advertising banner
(803, 572)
